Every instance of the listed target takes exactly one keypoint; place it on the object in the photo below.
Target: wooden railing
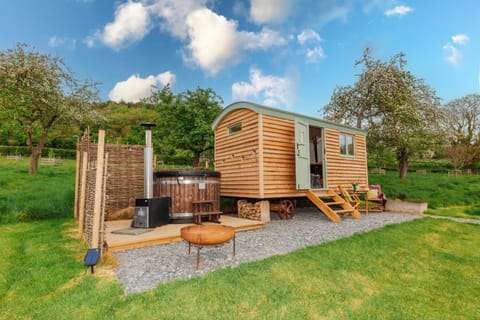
(16, 158)
(50, 161)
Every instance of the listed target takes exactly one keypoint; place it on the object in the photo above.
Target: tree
(397, 109)
(186, 119)
(39, 92)
(461, 122)
(122, 121)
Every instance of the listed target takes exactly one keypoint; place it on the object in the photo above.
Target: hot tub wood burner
(207, 235)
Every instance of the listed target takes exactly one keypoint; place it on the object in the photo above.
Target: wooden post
(83, 193)
(104, 192)
(77, 177)
(98, 189)
(265, 210)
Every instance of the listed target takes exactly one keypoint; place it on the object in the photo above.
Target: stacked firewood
(249, 210)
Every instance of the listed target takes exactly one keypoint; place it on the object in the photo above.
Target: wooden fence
(50, 161)
(108, 178)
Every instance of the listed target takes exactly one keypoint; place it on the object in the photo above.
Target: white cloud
(398, 11)
(56, 41)
(269, 89)
(452, 54)
(331, 11)
(460, 39)
(174, 13)
(315, 54)
(265, 39)
(229, 44)
(269, 11)
(132, 22)
(213, 41)
(136, 88)
(308, 35)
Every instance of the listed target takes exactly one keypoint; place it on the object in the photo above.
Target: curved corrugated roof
(258, 108)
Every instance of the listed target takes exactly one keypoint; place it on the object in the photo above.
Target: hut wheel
(286, 209)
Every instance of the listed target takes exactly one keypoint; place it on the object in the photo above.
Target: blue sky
(289, 54)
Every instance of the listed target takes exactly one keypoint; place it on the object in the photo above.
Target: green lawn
(424, 269)
(45, 195)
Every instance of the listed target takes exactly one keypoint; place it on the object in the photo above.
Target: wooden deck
(164, 234)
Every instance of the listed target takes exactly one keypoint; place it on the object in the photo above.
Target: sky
(288, 54)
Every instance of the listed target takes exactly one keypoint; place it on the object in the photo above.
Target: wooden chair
(353, 199)
(373, 201)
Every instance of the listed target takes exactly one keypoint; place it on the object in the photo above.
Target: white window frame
(345, 141)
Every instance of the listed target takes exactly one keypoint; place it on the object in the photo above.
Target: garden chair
(374, 200)
(381, 195)
(353, 199)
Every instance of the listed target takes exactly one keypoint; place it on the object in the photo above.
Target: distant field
(50, 192)
(45, 195)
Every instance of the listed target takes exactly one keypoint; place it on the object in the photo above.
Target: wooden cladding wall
(258, 160)
(237, 154)
(278, 157)
(345, 170)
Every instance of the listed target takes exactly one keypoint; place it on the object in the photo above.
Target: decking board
(164, 234)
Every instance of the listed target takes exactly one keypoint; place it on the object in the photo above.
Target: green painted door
(302, 156)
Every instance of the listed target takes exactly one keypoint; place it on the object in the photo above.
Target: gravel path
(145, 268)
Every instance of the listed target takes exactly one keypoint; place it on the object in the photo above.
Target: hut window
(347, 144)
(237, 127)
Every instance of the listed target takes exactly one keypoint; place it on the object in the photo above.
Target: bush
(15, 150)
(430, 165)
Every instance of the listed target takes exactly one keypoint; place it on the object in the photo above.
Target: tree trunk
(196, 158)
(402, 158)
(36, 151)
(34, 160)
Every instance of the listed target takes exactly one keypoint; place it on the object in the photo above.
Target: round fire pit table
(207, 235)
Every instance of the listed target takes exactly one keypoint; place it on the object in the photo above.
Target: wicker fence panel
(122, 185)
(124, 177)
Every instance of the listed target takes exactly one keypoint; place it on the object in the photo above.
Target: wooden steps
(332, 205)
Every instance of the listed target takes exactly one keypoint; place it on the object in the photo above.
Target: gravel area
(145, 268)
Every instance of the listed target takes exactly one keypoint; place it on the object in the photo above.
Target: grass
(466, 212)
(425, 269)
(45, 195)
(461, 194)
(49, 193)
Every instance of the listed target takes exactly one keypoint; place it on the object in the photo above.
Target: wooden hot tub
(184, 187)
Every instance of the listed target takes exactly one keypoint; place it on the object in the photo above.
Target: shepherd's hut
(268, 153)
